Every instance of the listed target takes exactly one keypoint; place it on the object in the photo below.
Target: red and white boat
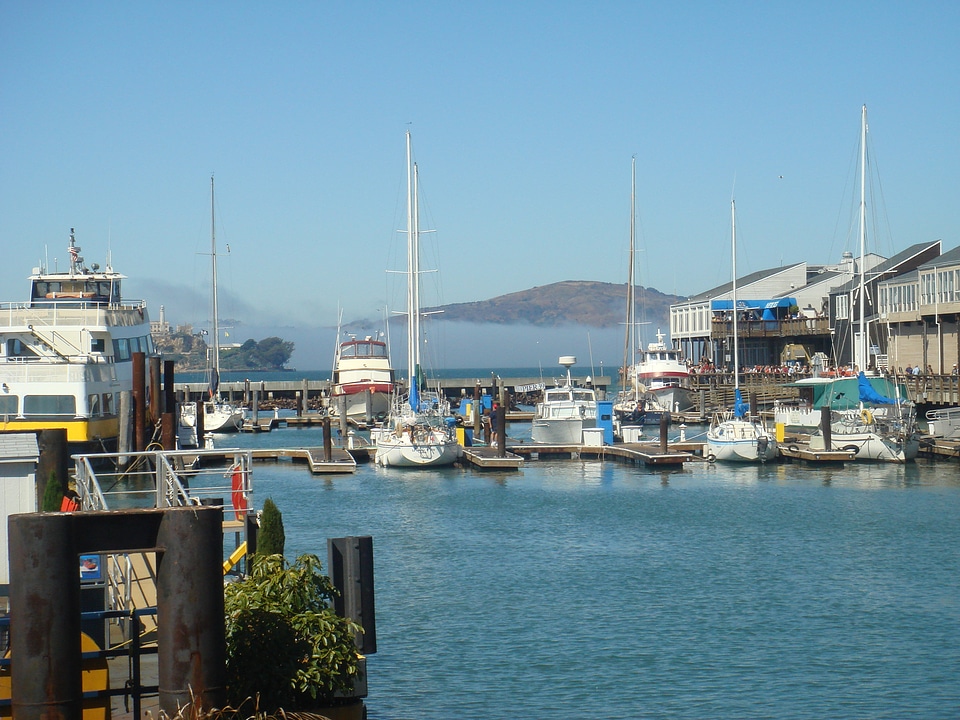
(362, 380)
(664, 376)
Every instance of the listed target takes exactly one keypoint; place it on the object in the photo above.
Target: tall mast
(733, 236)
(629, 343)
(860, 355)
(216, 315)
(411, 313)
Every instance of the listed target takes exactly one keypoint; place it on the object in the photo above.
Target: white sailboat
(878, 428)
(219, 416)
(733, 436)
(419, 431)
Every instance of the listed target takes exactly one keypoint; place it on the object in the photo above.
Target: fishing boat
(666, 376)
(363, 379)
(735, 436)
(868, 413)
(67, 353)
(565, 412)
(420, 431)
(219, 415)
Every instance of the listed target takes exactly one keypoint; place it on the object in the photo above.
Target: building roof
(18, 447)
(903, 261)
(742, 282)
(951, 257)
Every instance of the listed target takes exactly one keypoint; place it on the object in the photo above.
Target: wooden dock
(803, 453)
(488, 458)
(636, 453)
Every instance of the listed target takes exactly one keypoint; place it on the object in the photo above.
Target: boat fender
(793, 448)
(851, 448)
(866, 416)
(711, 458)
(237, 496)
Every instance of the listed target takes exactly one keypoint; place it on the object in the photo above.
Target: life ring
(866, 416)
(238, 498)
(711, 458)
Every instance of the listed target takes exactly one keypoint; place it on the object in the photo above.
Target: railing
(132, 689)
(720, 329)
(163, 478)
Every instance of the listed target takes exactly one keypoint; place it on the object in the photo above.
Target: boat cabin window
(108, 403)
(86, 290)
(121, 349)
(93, 401)
(363, 349)
(557, 396)
(583, 395)
(8, 404)
(50, 405)
(98, 345)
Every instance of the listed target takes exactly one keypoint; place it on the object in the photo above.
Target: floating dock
(488, 458)
(803, 453)
(637, 453)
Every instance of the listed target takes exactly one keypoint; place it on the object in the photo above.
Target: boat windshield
(363, 348)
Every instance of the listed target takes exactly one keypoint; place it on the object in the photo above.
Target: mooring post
(45, 612)
(327, 441)
(477, 410)
(664, 426)
(304, 399)
(156, 402)
(190, 621)
(139, 402)
(825, 428)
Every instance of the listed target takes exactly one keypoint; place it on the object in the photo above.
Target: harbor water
(600, 590)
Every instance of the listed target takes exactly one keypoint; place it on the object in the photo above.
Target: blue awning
(753, 304)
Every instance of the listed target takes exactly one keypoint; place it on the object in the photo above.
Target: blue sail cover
(869, 394)
(740, 408)
(415, 397)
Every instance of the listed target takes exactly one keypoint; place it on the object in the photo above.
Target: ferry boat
(361, 370)
(66, 353)
(565, 412)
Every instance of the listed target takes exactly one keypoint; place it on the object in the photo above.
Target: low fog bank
(451, 345)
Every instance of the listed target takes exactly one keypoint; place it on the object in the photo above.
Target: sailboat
(863, 417)
(733, 435)
(631, 405)
(419, 432)
(219, 416)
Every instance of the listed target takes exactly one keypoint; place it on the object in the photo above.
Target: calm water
(599, 590)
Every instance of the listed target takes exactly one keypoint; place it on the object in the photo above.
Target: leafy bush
(285, 643)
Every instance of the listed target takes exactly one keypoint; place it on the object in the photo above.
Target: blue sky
(524, 119)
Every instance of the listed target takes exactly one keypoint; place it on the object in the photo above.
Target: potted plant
(286, 647)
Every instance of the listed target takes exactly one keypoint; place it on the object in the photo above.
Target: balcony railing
(721, 329)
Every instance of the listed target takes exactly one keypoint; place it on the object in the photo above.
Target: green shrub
(271, 538)
(285, 644)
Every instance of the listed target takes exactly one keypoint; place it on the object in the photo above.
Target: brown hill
(571, 302)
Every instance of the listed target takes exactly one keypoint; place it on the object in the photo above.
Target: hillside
(571, 302)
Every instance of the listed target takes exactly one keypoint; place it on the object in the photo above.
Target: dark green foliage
(271, 353)
(52, 495)
(285, 643)
(271, 538)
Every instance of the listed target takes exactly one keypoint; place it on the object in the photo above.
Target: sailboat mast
(216, 309)
(860, 356)
(411, 311)
(629, 343)
(416, 269)
(733, 240)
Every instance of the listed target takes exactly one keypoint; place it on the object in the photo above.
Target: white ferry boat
(66, 353)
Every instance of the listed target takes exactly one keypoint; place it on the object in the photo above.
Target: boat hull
(871, 446)
(430, 450)
(740, 441)
(560, 431)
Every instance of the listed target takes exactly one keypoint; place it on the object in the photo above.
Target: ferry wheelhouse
(66, 353)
